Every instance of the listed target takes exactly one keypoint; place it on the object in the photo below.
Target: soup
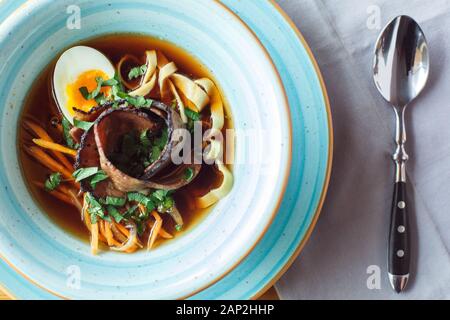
(107, 142)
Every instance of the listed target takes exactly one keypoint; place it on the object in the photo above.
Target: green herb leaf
(85, 93)
(163, 200)
(178, 227)
(160, 194)
(191, 114)
(156, 152)
(130, 211)
(53, 181)
(110, 83)
(162, 141)
(137, 72)
(140, 227)
(91, 95)
(82, 124)
(139, 101)
(101, 99)
(114, 201)
(95, 209)
(142, 199)
(145, 141)
(188, 174)
(96, 178)
(84, 173)
(66, 132)
(113, 212)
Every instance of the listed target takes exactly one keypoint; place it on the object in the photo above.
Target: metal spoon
(400, 72)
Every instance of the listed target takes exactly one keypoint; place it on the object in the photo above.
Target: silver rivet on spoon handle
(400, 72)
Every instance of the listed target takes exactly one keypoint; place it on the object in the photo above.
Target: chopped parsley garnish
(101, 99)
(84, 173)
(114, 201)
(178, 227)
(53, 181)
(82, 124)
(94, 173)
(109, 82)
(141, 199)
(99, 176)
(191, 114)
(163, 200)
(131, 210)
(115, 213)
(158, 145)
(188, 174)
(138, 101)
(137, 72)
(145, 141)
(192, 117)
(100, 83)
(95, 209)
(137, 150)
(66, 132)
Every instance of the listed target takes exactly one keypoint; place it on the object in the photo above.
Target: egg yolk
(87, 79)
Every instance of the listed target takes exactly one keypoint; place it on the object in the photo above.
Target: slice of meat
(87, 156)
(100, 142)
(76, 134)
(174, 137)
(92, 114)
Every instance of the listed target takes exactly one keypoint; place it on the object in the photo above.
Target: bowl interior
(52, 258)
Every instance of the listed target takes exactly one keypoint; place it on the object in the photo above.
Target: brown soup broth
(41, 108)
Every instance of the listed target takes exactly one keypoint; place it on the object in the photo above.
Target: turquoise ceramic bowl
(60, 264)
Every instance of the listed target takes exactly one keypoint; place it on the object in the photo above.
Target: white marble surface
(352, 232)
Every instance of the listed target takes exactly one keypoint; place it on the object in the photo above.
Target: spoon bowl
(401, 64)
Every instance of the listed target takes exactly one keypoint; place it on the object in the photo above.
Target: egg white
(72, 63)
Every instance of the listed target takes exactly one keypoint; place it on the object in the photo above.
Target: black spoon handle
(399, 247)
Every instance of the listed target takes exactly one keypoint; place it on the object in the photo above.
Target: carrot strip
(48, 162)
(101, 227)
(85, 214)
(125, 231)
(73, 195)
(41, 133)
(54, 146)
(155, 230)
(57, 194)
(109, 235)
(162, 232)
(94, 238)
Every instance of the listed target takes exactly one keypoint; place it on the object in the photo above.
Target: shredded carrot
(125, 231)
(109, 235)
(101, 228)
(162, 232)
(48, 162)
(57, 194)
(73, 195)
(94, 238)
(41, 133)
(85, 213)
(54, 146)
(122, 229)
(155, 230)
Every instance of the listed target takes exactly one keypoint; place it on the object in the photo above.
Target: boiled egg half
(79, 67)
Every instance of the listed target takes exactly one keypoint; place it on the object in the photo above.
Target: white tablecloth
(351, 234)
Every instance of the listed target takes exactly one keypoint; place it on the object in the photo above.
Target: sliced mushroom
(87, 156)
(100, 142)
